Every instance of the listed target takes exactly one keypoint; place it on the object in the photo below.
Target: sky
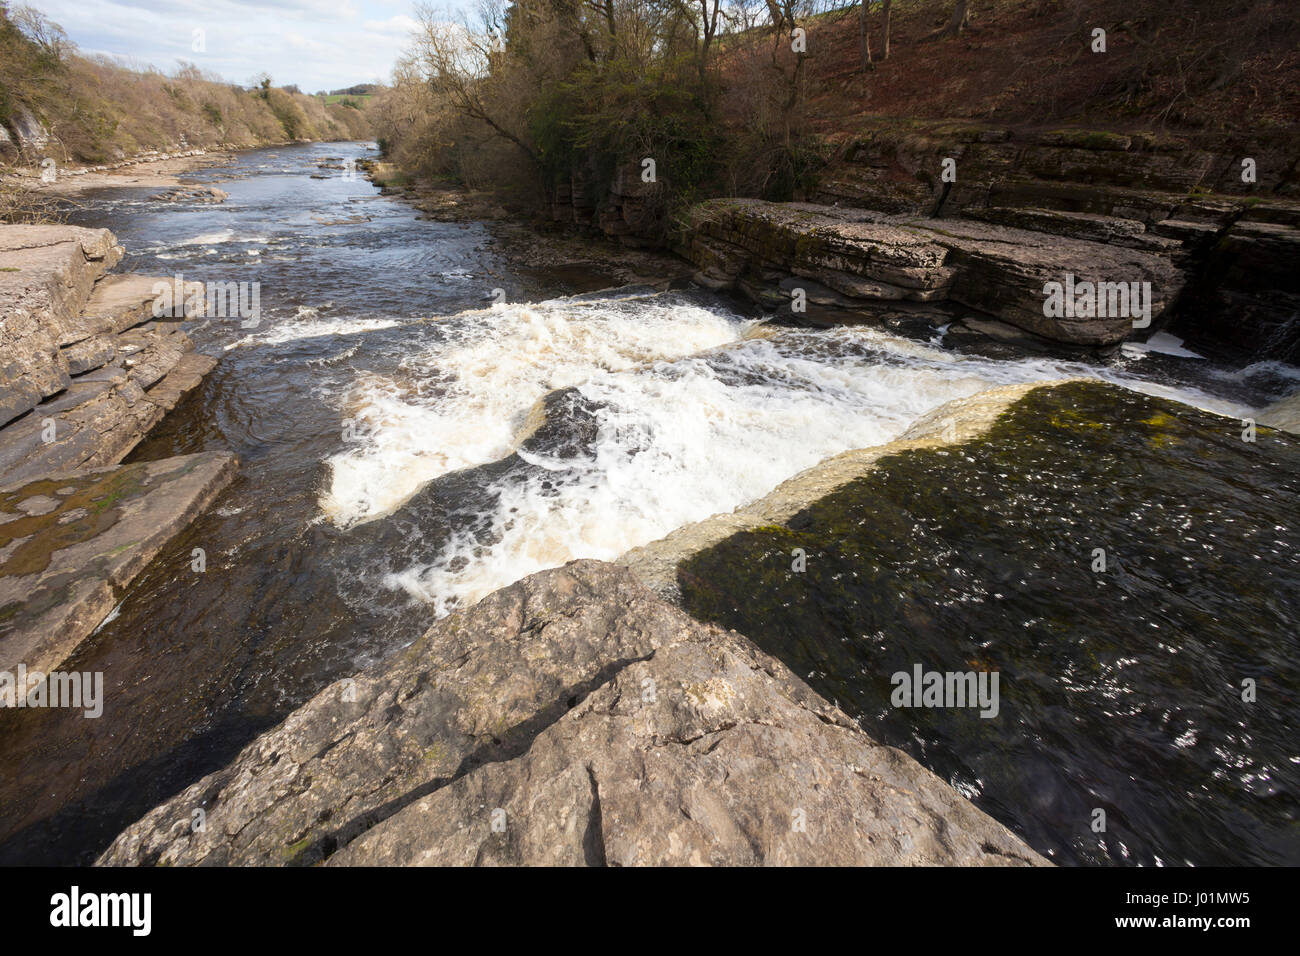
(316, 44)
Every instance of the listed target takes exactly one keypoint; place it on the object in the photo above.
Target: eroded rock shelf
(90, 366)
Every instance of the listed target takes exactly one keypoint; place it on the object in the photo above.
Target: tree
(864, 35)
(457, 62)
(884, 15)
(42, 31)
(960, 21)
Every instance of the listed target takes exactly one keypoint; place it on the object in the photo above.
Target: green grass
(348, 99)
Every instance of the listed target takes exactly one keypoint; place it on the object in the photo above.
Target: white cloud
(401, 25)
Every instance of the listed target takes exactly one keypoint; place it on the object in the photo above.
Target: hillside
(89, 110)
(1201, 70)
(747, 111)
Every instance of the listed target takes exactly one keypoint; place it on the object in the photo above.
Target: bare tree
(960, 21)
(884, 16)
(702, 17)
(457, 62)
(42, 31)
(864, 35)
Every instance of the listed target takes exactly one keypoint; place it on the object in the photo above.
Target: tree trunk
(884, 54)
(774, 11)
(960, 19)
(864, 35)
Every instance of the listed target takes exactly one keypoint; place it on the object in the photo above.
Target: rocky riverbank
(572, 718)
(967, 223)
(91, 364)
(161, 170)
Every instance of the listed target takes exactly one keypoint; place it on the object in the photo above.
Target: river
(397, 460)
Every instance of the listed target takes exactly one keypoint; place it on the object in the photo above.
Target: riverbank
(970, 227)
(92, 364)
(160, 171)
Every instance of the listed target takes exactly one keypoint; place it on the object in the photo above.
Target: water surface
(407, 446)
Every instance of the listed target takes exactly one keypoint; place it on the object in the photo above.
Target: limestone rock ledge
(655, 564)
(69, 545)
(87, 367)
(857, 257)
(571, 718)
(884, 229)
(89, 363)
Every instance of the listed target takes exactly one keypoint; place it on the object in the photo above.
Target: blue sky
(317, 44)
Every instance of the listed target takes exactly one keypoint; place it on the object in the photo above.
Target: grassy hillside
(97, 111)
(359, 101)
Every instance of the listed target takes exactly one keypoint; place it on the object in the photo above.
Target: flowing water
(408, 445)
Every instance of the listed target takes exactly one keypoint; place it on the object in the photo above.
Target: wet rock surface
(1127, 566)
(70, 544)
(571, 718)
(202, 194)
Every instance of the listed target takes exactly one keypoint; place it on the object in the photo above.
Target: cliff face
(572, 718)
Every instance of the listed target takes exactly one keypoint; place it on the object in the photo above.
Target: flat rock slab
(571, 718)
(103, 414)
(120, 302)
(1000, 270)
(70, 543)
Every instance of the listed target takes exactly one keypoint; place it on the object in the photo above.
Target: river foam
(464, 400)
(694, 414)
